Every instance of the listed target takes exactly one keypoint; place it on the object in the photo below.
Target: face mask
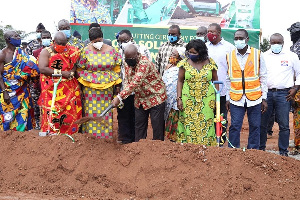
(211, 37)
(194, 58)
(240, 44)
(98, 45)
(46, 42)
(38, 35)
(173, 60)
(15, 42)
(67, 33)
(200, 38)
(124, 45)
(172, 38)
(60, 48)
(131, 62)
(276, 48)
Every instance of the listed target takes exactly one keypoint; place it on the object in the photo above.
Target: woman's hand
(179, 104)
(6, 97)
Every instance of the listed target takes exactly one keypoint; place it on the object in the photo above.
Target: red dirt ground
(53, 167)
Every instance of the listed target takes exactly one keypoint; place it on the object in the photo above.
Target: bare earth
(53, 167)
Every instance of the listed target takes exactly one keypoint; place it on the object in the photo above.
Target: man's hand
(6, 97)
(291, 95)
(179, 104)
(115, 102)
(264, 106)
(227, 105)
(117, 90)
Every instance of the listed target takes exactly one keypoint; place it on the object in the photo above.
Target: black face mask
(131, 62)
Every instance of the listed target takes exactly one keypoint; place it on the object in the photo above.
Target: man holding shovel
(142, 77)
(60, 95)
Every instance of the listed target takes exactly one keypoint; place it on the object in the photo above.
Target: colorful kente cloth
(19, 114)
(98, 75)
(171, 125)
(297, 120)
(196, 121)
(67, 102)
(75, 42)
(296, 49)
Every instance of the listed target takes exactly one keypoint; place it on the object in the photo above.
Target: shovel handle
(217, 82)
(106, 110)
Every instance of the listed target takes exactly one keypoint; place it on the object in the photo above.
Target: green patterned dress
(196, 120)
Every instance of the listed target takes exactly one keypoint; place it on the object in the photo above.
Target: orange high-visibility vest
(244, 81)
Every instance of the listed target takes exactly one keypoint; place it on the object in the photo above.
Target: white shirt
(242, 59)
(281, 69)
(218, 54)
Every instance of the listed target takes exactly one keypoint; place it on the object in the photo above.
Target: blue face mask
(194, 58)
(46, 42)
(276, 48)
(172, 38)
(38, 35)
(67, 33)
(240, 44)
(15, 42)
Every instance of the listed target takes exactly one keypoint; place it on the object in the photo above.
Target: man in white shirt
(246, 90)
(217, 50)
(282, 66)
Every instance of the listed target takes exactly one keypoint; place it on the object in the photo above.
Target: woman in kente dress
(196, 96)
(170, 78)
(98, 73)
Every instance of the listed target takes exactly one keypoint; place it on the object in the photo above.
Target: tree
(2, 41)
(265, 45)
(7, 28)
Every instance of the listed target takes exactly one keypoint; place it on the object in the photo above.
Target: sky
(275, 17)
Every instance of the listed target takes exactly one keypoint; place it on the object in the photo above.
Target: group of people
(72, 79)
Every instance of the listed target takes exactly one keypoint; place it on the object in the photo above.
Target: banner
(149, 20)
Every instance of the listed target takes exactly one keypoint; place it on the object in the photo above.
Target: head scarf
(181, 52)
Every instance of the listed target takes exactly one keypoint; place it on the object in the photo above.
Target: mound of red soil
(53, 167)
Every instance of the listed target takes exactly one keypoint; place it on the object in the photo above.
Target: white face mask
(98, 45)
(124, 45)
(240, 44)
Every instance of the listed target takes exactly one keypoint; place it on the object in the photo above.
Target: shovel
(52, 108)
(99, 119)
(219, 118)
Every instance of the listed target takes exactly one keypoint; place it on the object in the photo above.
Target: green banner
(153, 37)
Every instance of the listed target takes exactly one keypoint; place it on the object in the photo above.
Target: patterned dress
(196, 121)
(98, 74)
(296, 49)
(18, 114)
(170, 78)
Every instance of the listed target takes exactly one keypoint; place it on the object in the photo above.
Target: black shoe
(284, 154)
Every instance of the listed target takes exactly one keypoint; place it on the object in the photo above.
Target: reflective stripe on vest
(247, 81)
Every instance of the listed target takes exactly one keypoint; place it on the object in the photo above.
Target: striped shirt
(164, 52)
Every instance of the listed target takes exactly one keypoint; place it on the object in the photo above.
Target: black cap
(295, 27)
(76, 33)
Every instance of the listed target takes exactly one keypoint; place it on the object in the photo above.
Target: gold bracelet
(178, 98)
(71, 75)
(57, 71)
